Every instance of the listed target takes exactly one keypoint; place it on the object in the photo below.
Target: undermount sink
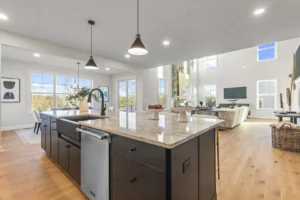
(85, 118)
(68, 125)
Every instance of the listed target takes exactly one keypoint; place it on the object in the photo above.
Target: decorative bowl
(155, 113)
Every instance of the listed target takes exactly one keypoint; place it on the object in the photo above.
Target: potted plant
(80, 97)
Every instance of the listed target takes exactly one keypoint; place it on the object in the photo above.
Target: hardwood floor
(250, 169)
(27, 173)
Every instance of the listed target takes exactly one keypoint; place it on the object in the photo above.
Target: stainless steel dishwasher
(94, 163)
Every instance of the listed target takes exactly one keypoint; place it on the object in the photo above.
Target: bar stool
(37, 121)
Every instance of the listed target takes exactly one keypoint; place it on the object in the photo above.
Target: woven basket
(286, 138)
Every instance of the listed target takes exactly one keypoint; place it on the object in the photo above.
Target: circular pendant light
(91, 63)
(138, 48)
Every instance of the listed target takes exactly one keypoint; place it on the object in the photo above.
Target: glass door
(127, 95)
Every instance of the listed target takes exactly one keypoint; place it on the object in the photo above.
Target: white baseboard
(8, 128)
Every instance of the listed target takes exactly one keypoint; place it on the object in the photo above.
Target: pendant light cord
(138, 17)
(91, 40)
(78, 75)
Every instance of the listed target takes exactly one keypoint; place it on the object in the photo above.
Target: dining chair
(217, 139)
(37, 121)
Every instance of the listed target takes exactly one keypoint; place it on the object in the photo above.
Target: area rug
(29, 137)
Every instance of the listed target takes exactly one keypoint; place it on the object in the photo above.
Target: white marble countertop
(166, 132)
(70, 113)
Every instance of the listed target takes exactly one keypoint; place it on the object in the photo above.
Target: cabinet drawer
(45, 119)
(63, 154)
(137, 180)
(53, 123)
(150, 155)
(118, 195)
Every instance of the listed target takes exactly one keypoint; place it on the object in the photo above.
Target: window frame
(54, 94)
(266, 48)
(209, 58)
(259, 95)
(58, 94)
(165, 89)
(210, 92)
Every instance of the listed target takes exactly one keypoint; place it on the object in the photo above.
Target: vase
(83, 105)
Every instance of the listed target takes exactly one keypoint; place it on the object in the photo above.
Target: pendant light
(138, 48)
(76, 85)
(91, 63)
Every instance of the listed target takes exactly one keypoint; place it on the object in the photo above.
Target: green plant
(81, 94)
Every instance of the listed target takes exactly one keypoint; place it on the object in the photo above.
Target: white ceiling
(13, 53)
(196, 28)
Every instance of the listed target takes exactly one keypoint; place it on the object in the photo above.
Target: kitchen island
(148, 159)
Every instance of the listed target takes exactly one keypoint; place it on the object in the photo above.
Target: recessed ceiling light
(3, 16)
(36, 55)
(166, 42)
(244, 67)
(127, 56)
(259, 11)
(107, 69)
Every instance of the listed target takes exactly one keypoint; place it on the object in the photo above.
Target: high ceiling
(195, 28)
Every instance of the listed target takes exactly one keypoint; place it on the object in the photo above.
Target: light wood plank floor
(250, 169)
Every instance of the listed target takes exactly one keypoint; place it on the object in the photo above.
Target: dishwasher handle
(101, 137)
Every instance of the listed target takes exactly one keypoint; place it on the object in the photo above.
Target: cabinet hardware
(92, 193)
(132, 150)
(53, 129)
(133, 180)
(45, 126)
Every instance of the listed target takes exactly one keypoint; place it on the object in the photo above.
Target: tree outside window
(210, 94)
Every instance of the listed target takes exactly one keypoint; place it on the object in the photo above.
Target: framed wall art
(10, 90)
(105, 91)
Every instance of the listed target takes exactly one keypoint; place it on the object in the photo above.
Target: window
(64, 87)
(267, 51)
(41, 91)
(84, 83)
(160, 72)
(161, 92)
(48, 91)
(127, 95)
(210, 95)
(210, 62)
(266, 94)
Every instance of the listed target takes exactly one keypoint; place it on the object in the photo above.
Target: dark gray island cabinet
(141, 167)
(141, 171)
(61, 148)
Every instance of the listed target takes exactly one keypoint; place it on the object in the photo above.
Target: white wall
(230, 73)
(18, 115)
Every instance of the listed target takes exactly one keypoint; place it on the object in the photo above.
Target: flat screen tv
(235, 93)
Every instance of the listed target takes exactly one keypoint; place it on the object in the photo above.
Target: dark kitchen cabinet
(43, 137)
(184, 175)
(63, 151)
(69, 158)
(54, 144)
(116, 194)
(74, 162)
(45, 133)
(207, 166)
(48, 139)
